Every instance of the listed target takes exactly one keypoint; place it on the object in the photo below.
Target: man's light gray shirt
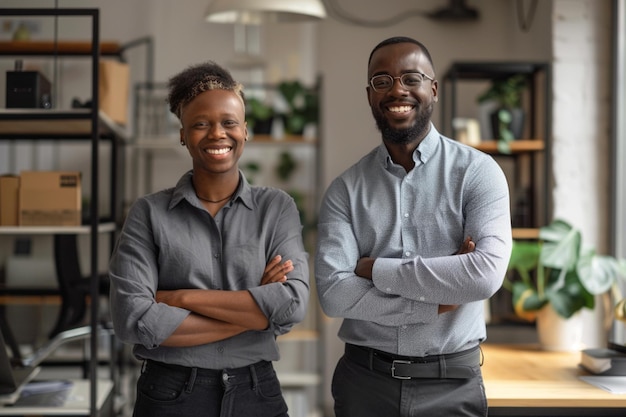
(170, 241)
(413, 223)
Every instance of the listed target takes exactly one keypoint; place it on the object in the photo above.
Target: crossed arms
(218, 314)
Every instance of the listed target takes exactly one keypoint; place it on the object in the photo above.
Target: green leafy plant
(507, 93)
(302, 106)
(259, 115)
(559, 271)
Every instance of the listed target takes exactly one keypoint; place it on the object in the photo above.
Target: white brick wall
(581, 119)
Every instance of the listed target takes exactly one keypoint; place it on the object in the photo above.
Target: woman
(205, 275)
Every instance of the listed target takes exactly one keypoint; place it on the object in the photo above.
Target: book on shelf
(604, 361)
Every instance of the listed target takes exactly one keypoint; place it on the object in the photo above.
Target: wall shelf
(525, 233)
(517, 146)
(46, 124)
(56, 230)
(65, 48)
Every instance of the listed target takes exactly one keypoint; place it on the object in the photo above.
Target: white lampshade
(255, 12)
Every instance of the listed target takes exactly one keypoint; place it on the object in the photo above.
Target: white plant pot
(557, 333)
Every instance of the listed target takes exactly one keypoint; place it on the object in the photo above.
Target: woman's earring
(246, 138)
(182, 143)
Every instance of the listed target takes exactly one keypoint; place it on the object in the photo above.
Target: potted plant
(507, 121)
(302, 106)
(259, 116)
(557, 274)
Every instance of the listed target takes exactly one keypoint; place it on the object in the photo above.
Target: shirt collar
(422, 153)
(428, 146)
(184, 191)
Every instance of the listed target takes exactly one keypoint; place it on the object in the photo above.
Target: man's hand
(467, 246)
(364, 267)
(275, 271)
(443, 308)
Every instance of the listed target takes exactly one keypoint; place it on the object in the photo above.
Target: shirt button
(406, 214)
(388, 289)
(407, 253)
(404, 326)
(422, 298)
(217, 255)
(220, 349)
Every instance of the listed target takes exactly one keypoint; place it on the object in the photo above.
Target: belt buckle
(393, 368)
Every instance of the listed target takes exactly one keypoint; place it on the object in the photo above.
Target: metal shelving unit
(530, 155)
(73, 125)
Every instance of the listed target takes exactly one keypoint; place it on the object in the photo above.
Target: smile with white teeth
(220, 151)
(400, 109)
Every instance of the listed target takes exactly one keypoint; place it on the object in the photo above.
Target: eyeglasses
(409, 81)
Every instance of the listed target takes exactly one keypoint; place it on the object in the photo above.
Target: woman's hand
(168, 297)
(275, 271)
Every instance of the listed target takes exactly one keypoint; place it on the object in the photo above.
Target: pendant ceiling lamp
(256, 12)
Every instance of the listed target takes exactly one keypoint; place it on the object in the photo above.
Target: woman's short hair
(196, 79)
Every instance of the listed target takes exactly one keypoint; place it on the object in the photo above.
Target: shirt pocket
(244, 265)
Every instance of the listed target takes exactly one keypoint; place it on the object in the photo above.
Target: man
(388, 258)
(206, 274)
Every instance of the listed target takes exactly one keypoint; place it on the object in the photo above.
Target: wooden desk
(522, 380)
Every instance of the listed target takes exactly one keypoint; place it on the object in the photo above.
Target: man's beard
(403, 136)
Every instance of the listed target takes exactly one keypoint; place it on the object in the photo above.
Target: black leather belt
(460, 365)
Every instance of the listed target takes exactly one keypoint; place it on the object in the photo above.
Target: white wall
(581, 134)
(582, 68)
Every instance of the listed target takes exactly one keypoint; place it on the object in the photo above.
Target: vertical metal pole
(94, 211)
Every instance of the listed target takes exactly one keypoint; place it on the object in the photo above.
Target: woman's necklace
(214, 201)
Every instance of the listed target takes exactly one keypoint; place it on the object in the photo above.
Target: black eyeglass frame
(393, 79)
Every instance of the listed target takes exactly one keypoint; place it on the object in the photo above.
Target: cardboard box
(114, 88)
(50, 198)
(9, 187)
